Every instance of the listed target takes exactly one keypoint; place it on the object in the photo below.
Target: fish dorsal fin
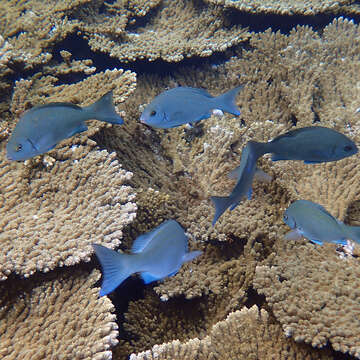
(143, 241)
(292, 133)
(57, 104)
(190, 90)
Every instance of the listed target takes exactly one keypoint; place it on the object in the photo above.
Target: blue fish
(184, 105)
(245, 174)
(41, 128)
(313, 144)
(155, 255)
(312, 221)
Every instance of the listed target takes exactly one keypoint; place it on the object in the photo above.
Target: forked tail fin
(116, 268)
(221, 204)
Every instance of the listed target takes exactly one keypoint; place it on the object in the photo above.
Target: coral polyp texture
(194, 30)
(55, 212)
(286, 7)
(313, 292)
(244, 334)
(57, 316)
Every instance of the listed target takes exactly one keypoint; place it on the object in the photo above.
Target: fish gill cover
(300, 78)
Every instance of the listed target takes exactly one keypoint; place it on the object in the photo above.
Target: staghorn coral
(54, 212)
(194, 30)
(57, 316)
(244, 334)
(287, 7)
(317, 300)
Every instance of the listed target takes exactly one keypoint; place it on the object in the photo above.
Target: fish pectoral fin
(293, 235)
(148, 277)
(261, 175)
(191, 255)
(235, 174)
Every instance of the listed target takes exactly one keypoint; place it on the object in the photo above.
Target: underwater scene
(179, 179)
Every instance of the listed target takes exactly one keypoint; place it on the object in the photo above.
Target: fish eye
(153, 113)
(285, 217)
(347, 148)
(18, 148)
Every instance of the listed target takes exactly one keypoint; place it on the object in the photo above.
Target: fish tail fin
(221, 204)
(226, 102)
(104, 110)
(352, 232)
(115, 268)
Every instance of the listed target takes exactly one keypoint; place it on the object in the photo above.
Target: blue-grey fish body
(184, 105)
(314, 144)
(245, 174)
(41, 128)
(312, 221)
(155, 255)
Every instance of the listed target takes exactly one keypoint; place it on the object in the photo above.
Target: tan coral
(334, 185)
(286, 7)
(192, 31)
(244, 334)
(56, 316)
(314, 292)
(54, 212)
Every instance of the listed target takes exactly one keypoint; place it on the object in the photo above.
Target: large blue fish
(155, 255)
(312, 221)
(244, 174)
(184, 105)
(41, 128)
(313, 144)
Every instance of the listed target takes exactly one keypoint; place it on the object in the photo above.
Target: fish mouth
(142, 120)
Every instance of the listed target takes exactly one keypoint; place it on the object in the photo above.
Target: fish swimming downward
(183, 105)
(313, 144)
(244, 174)
(155, 255)
(312, 221)
(41, 128)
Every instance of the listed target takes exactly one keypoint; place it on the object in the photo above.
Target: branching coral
(245, 334)
(314, 293)
(194, 30)
(57, 316)
(54, 213)
(286, 7)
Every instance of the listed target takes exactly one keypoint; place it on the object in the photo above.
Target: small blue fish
(184, 105)
(41, 128)
(313, 144)
(245, 174)
(155, 255)
(312, 221)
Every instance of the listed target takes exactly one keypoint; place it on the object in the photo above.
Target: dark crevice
(254, 298)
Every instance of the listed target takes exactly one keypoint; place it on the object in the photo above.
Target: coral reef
(194, 30)
(316, 300)
(57, 316)
(55, 211)
(288, 7)
(244, 334)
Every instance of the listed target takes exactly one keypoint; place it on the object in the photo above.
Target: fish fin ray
(293, 235)
(221, 204)
(226, 102)
(191, 255)
(115, 268)
(104, 110)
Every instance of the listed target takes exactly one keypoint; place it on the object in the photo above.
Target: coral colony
(155, 171)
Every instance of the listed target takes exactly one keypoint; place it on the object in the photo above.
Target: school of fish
(161, 252)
